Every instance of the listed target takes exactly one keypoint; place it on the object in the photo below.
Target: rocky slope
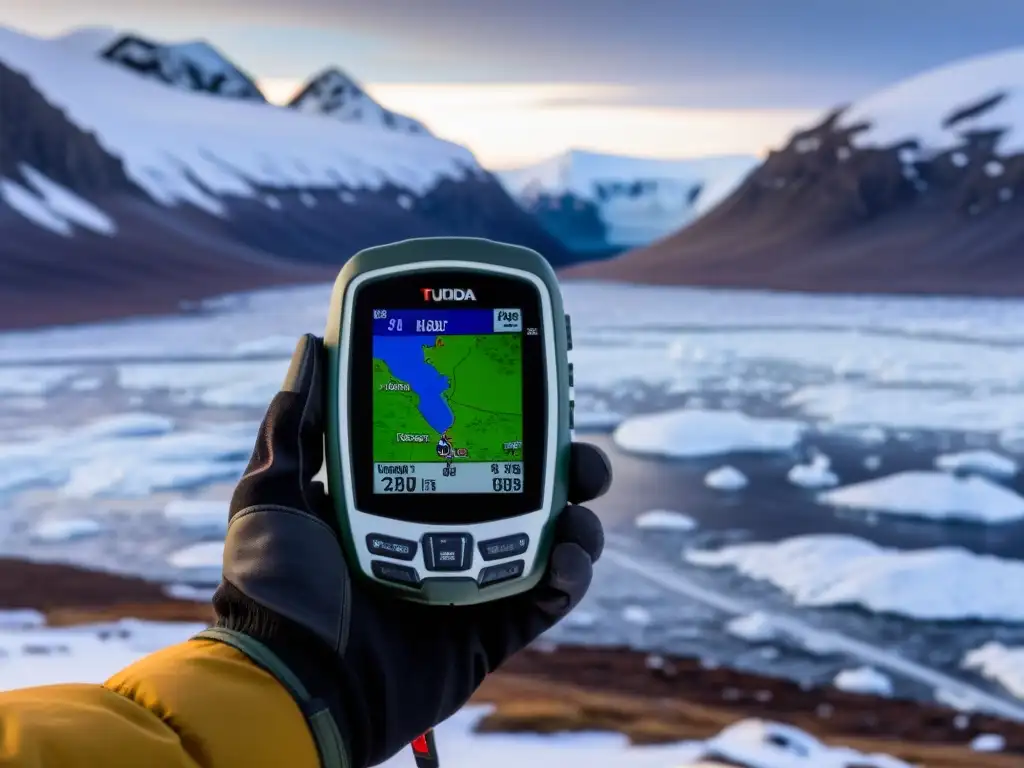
(121, 195)
(915, 190)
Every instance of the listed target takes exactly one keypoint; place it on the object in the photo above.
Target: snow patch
(87, 654)
(866, 680)
(65, 203)
(20, 618)
(1000, 664)
(763, 744)
(31, 207)
(988, 742)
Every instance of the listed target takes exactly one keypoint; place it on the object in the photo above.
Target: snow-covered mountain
(192, 66)
(601, 202)
(334, 94)
(121, 194)
(916, 189)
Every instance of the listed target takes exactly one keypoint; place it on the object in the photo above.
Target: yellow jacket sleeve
(200, 704)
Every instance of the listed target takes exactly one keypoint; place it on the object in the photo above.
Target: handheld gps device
(449, 416)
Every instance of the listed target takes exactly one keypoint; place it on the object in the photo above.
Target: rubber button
(506, 546)
(389, 546)
(399, 574)
(568, 334)
(572, 376)
(495, 574)
(447, 551)
(572, 414)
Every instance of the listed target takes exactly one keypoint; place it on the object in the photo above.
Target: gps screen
(447, 401)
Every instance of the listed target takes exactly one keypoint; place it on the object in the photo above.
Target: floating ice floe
(830, 570)
(198, 515)
(757, 627)
(686, 433)
(61, 531)
(817, 473)
(726, 479)
(665, 520)
(981, 462)
(931, 495)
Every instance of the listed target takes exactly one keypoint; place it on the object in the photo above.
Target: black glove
(389, 669)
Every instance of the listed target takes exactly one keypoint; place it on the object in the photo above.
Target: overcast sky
(691, 76)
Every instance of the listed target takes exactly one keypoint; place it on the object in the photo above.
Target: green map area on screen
(441, 398)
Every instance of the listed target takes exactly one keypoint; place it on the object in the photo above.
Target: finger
(505, 627)
(289, 447)
(566, 582)
(578, 525)
(579, 541)
(590, 473)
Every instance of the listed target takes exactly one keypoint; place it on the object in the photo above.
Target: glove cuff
(319, 671)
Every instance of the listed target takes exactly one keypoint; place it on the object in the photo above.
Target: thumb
(289, 447)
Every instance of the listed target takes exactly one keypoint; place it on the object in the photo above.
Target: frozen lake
(849, 461)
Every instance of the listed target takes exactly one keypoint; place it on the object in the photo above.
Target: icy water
(879, 386)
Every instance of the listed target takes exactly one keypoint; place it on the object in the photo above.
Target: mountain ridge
(916, 189)
(120, 195)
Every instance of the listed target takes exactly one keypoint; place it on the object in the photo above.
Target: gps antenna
(424, 749)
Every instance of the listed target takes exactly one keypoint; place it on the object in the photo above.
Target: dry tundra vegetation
(548, 689)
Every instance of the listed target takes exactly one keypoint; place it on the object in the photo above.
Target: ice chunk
(725, 479)
(59, 531)
(665, 520)
(686, 433)
(638, 615)
(828, 570)
(982, 462)
(931, 495)
(127, 425)
(198, 514)
(816, 474)
(757, 627)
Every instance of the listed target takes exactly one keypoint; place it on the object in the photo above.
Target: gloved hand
(389, 669)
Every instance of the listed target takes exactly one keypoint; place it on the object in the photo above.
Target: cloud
(721, 54)
(512, 124)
